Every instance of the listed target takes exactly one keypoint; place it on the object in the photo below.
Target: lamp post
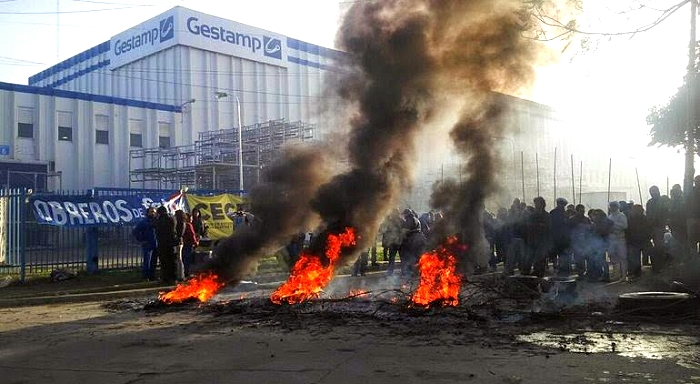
(182, 108)
(220, 95)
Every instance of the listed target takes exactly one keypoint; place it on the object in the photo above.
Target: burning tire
(656, 303)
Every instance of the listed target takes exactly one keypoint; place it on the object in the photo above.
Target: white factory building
(159, 84)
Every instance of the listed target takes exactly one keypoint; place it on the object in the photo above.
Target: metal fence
(29, 248)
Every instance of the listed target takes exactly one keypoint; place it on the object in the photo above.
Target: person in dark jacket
(412, 245)
(580, 229)
(601, 227)
(677, 222)
(538, 238)
(145, 233)
(190, 240)
(200, 227)
(638, 239)
(657, 215)
(166, 238)
(392, 237)
(560, 253)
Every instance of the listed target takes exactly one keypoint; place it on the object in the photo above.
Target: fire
(309, 275)
(201, 287)
(439, 281)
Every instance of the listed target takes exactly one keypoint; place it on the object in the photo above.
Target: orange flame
(201, 287)
(439, 281)
(309, 275)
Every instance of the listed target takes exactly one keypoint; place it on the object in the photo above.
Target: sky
(606, 88)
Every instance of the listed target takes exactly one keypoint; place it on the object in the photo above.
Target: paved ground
(107, 331)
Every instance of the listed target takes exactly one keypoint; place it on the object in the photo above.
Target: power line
(21, 60)
(69, 12)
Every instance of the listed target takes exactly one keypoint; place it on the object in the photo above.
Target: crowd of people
(170, 240)
(590, 243)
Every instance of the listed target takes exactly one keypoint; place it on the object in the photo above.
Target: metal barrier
(29, 248)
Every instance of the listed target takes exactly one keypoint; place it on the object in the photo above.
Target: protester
(412, 244)
(165, 237)
(560, 254)
(538, 238)
(617, 243)
(200, 227)
(190, 240)
(145, 233)
(179, 233)
(693, 218)
(638, 239)
(657, 215)
(391, 238)
(601, 227)
(580, 226)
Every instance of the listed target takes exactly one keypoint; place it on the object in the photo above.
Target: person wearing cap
(560, 254)
(617, 242)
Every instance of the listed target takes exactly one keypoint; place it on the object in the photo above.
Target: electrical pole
(690, 100)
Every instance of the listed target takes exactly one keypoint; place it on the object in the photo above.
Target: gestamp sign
(182, 26)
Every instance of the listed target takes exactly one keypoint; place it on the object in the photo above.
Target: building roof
(88, 97)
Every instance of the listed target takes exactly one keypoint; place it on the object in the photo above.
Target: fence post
(23, 199)
(91, 235)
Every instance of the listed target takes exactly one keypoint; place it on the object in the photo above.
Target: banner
(80, 211)
(214, 213)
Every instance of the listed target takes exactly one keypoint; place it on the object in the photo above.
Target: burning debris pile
(439, 281)
(311, 274)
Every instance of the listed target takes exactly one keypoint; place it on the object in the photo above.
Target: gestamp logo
(273, 47)
(167, 29)
(142, 37)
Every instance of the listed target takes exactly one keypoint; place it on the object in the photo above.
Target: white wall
(82, 162)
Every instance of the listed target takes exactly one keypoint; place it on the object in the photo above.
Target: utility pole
(690, 100)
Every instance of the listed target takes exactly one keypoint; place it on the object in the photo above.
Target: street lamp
(220, 95)
(182, 108)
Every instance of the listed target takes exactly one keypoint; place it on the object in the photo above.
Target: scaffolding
(213, 162)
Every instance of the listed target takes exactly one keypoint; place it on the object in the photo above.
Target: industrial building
(164, 85)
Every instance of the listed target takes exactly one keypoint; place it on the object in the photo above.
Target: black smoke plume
(409, 60)
(281, 209)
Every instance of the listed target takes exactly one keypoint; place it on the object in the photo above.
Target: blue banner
(81, 211)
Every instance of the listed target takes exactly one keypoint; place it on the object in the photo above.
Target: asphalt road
(240, 337)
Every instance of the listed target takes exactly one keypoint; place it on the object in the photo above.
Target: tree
(669, 123)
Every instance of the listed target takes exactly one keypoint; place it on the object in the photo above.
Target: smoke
(281, 208)
(409, 61)
(407, 64)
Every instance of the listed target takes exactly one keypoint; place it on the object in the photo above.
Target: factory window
(65, 133)
(163, 142)
(163, 135)
(101, 129)
(135, 140)
(65, 126)
(136, 129)
(101, 137)
(25, 123)
(25, 130)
